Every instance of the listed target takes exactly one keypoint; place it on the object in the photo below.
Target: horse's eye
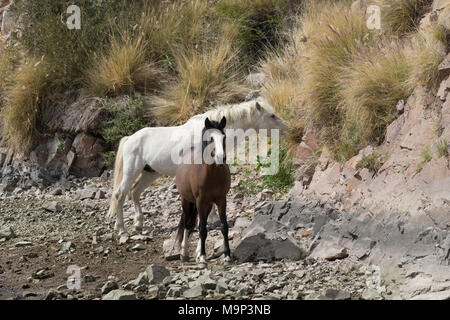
(273, 116)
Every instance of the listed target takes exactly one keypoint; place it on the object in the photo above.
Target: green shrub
(126, 118)
(283, 180)
(442, 148)
(426, 157)
(373, 162)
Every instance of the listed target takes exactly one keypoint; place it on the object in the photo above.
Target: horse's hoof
(202, 265)
(201, 260)
(227, 261)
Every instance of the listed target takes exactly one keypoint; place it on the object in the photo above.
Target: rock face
(72, 149)
(415, 172)
(413, 250)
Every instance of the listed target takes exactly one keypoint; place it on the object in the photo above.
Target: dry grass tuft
(375, 81)
(205, 78)
(23, 104)
(427, 52)
(123, 70)
(402, 16)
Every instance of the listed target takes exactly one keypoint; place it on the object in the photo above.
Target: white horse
(147, 154)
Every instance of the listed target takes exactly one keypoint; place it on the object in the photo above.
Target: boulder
(87, 160)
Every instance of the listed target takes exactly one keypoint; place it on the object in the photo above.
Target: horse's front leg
(203, 232)
(222, 206)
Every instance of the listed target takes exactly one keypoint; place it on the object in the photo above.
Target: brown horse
(201, 185)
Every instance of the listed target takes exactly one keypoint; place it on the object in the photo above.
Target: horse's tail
(118, 173)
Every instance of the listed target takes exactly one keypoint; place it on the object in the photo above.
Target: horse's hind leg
(144, 180)
(188, 223)
(131, 171)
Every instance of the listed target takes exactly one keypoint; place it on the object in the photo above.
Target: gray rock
(7, 233)
(124, 239)
(140, 280)
(153, 292)
(371, 294)
(119, 294)
(52, 206)
(258, 248)
(221, 286)
(138, 247)
(88, 278)
(156, 274)
(336, 294)
(194, 292)
(174, 291)
(206, 282)
(52, 294)
(43, 274)
(109, 286)
(23, 244)
(87, 194)
(66, 246)
(57, 192)
(170, 253)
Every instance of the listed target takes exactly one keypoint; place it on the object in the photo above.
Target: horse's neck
(240, 124)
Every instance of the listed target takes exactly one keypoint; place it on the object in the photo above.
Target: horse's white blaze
(217, 137)
(154, 147)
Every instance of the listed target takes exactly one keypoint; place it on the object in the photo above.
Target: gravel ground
(65, 226)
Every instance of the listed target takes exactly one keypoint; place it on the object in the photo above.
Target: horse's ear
(207, 123)
(223, 122)
(258, 107)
